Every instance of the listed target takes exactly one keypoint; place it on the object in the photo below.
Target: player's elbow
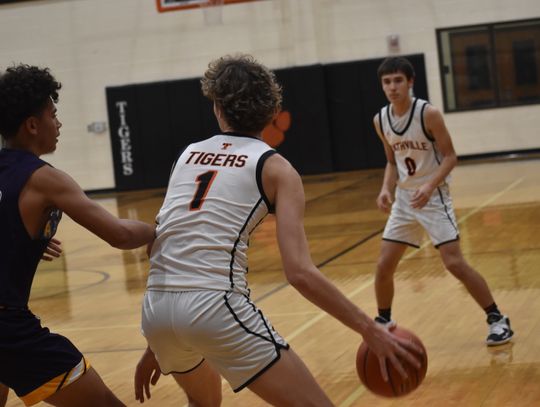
(299, 278)
(452, 159)
(130, 234)
(122, 239)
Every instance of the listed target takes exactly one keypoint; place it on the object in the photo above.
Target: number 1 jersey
(214, 201)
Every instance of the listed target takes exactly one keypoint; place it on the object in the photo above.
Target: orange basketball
(367, 365)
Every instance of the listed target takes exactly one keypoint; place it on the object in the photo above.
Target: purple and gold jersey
(20, 252)
(34, 362)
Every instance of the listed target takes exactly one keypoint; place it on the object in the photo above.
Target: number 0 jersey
(214, 201)
(417, 157)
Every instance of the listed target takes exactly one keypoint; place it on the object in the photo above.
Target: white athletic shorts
(437, 218)
(224, 328)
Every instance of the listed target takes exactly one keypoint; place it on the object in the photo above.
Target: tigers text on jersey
(415, 151)
(214, 201)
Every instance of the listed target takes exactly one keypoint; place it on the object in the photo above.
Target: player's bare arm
(386, 196)
(435, 126)
(283, 186)
(50, 188)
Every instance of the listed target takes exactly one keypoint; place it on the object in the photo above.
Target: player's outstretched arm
(283, 186)
(53, 188)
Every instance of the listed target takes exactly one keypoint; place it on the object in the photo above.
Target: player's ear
(217, 110)
(31, 125)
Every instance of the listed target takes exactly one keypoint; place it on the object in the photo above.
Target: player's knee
(385, 269)
(457, 267)
(215, 399)
(106, 398)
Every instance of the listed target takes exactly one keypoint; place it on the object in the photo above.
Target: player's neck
(246, 133)
(17, 144)
(399, 108)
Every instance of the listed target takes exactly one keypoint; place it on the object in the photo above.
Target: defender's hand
(53, 250)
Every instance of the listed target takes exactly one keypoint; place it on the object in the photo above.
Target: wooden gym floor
(93, 293)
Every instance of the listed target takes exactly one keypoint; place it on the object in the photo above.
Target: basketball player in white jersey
(197, 317)
(420, 157)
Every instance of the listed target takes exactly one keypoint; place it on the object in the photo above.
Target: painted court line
(99, 328)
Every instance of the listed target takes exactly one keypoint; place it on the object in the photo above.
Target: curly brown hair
(245, 90)
(24, 92)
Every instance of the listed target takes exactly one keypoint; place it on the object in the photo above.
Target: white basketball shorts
(437, 218)
(224, 328)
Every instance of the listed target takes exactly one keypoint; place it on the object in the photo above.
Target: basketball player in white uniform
(197, 316)
(420, 157)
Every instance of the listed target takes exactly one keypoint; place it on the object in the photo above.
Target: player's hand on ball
(392, 348)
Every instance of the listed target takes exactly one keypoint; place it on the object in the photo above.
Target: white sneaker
(385, 323)
(499, 330)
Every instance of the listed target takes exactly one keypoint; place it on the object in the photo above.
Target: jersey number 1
(204, 181)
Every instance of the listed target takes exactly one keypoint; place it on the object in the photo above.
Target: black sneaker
(385, 323)
(499, 330)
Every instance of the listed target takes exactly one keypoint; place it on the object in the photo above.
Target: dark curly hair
(394, 65)
(24, 92)
(246, 91)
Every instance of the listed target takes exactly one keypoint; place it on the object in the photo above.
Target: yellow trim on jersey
(58, 383)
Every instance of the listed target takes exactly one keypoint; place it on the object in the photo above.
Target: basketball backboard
(172, 5)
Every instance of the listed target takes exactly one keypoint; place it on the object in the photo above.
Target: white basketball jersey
(416, 153)
(214, 201)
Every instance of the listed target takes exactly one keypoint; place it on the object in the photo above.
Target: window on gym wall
(490, 65)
